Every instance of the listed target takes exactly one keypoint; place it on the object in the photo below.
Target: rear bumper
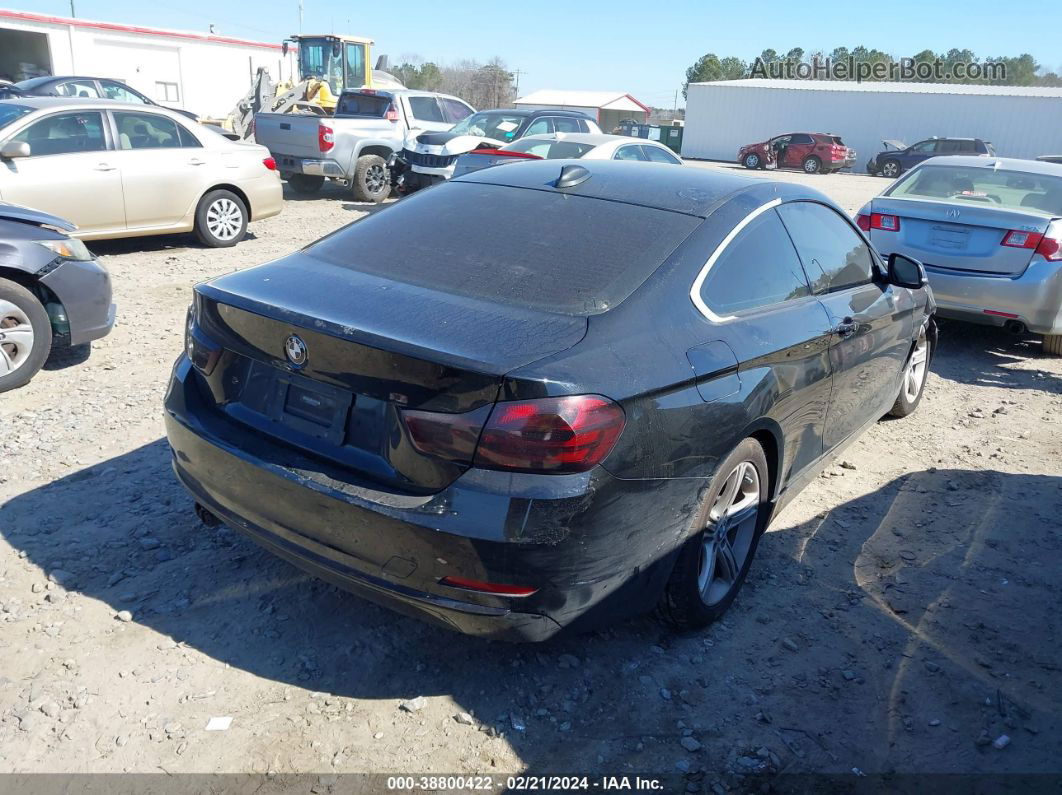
(289, 164)
(1034, 298)
(265, 195)
(556, 533)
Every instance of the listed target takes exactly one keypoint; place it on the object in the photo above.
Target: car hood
(15, 212)
(447, 143)
(750, 146)
(893, 144)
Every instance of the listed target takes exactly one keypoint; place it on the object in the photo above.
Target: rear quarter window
(372, 105)
(536, 249)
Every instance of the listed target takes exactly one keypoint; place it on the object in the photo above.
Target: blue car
(898, 157)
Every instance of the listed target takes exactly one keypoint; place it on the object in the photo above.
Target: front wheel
(714, 562)
(221, 219)
(913, 383)
(25, 335)
(752, 160)
(891, 169)
(372, 180)
(812, 165)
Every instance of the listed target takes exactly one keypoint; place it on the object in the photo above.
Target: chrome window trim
(698, 283)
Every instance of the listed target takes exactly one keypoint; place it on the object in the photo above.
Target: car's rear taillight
(547, 435)
(863, 222)
(270, 163)
(326, 138)
(1050, 245)
(885, 222)
(564, 434)
(1016, 238)
(449, 436)
(392, 114)
(200, 349)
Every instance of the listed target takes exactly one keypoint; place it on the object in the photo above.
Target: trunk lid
(289, 133)
(964, 236)
(373, 347)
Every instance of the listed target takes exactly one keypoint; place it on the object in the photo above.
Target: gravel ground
(902, 614)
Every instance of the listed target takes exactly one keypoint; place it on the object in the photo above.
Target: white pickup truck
(353, 146)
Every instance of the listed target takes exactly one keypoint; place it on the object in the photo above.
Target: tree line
(481, 85)
(1022, 70)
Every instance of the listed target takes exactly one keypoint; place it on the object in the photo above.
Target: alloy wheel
(915, 375)
(890, 170)
(375, 178)
(16, 337)
(224, 219)
(727, 540)
(811, 165)
(752, 161)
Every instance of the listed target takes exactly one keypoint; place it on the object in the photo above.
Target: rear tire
(25, 335)
(713, 563)
(372, 181)
(915, 375)
(812, 165)
(221, 219)
(305, 184)
(1053, 344)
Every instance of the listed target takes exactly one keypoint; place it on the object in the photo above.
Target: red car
(813, 153)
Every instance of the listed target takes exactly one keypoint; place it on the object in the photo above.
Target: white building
(609, 108)
(201, 72)
(1020, 121)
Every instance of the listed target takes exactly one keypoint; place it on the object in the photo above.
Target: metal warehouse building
(1020, 121)
(201, 72)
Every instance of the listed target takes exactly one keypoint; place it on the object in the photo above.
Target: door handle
(105, 167)
(195, 161)
(845, 329)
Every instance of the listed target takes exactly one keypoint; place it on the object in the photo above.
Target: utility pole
(674, 110)
(72, 12)
(300, 16)
(516, 88)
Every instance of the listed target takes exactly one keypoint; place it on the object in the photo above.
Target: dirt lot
(902, 615)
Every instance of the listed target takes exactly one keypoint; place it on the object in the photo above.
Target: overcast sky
(638, 47)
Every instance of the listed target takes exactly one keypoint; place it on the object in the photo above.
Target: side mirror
(13, 149)
(906, 272)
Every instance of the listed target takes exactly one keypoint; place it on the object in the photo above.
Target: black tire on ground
(1053, 344)
(812, 165)
(913, 381)
(372, 181)
(30, 357)
(220, 219)
(305, 184)
(752, 160)
(891, 168)
(682, 605)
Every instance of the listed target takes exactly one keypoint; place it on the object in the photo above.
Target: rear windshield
(550, 150)
(837, 140)
(374, 105)
(1011, 190)
(9, 113)
(537, 249)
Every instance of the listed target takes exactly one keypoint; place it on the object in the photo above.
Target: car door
(800, 146)
(915, 154)
(540, 126)
(757, 297)
(871, 321)
(454, 110)
(71, 171)
(164, 168)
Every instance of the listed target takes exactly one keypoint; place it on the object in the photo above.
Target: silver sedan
(564, 146)
(121, 171)
(989, 232)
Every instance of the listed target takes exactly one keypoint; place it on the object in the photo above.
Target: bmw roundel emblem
(295, 350)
